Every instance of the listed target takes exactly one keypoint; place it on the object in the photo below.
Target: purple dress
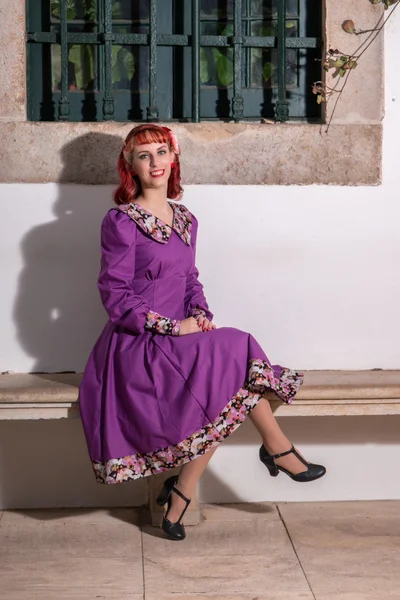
(151, 400)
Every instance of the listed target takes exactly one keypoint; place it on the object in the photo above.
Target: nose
(152, 161)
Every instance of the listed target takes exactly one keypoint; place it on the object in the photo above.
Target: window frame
(168, 94)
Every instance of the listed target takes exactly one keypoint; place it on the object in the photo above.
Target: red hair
(130, 187)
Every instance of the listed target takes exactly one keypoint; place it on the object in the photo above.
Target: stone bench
(324, 393)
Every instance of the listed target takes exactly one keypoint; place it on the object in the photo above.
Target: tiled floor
(308, 551)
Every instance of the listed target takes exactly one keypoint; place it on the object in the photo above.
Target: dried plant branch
(344, 63)
(395, 6)
(339, 95)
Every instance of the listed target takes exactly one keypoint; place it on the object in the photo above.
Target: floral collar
(157, 229)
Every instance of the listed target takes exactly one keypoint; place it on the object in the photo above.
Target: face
(152, 163)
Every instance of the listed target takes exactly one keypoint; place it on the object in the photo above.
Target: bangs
(150, 136)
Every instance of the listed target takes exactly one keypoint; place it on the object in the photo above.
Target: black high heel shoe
(313, 471)
(176, 531)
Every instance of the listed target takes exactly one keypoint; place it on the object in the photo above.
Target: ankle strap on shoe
(297, 455)
(284, 453)
(174, 489)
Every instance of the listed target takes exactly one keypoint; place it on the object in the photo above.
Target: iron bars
(63, 105)
(281, 108)
(152, 110)
(196, 42)
(104, 37)
(107, 39)
(237, 102)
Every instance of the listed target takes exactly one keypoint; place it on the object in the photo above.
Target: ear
(128, 157)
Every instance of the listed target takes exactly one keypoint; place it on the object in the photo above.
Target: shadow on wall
(58, 313)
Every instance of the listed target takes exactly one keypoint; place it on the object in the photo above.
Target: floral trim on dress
(155, 227)
(285, 386)
(198, 312)
(261, 378)
(158, 324)
(182, 222)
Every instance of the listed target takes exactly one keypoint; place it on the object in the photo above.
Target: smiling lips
(158, 173)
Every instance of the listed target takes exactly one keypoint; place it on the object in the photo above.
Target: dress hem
(261, 377)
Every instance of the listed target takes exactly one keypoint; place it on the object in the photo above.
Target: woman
(163, 386)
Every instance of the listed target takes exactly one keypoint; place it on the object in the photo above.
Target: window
(183, 60)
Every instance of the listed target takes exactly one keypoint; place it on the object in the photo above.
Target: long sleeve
(195, 300)
(123, 306)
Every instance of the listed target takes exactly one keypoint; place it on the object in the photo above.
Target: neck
(154, 198)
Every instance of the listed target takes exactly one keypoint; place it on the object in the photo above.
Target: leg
(189, 475)
(273, 437)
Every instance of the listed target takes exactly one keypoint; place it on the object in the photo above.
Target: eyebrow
(162, 146)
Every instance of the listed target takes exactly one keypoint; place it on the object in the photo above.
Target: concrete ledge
(26, 388)
(229, 154)
(324, 393)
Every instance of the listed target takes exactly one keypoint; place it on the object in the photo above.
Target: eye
(162, 152)
(143, 156)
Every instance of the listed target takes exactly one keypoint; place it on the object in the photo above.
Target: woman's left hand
(205, 324)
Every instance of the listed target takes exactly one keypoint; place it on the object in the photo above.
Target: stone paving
(284, 551)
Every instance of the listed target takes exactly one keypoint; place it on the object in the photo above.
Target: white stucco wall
(311, 272)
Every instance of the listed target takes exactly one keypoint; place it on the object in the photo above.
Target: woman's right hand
(188, 326)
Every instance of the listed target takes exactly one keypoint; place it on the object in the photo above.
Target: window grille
(183, 60)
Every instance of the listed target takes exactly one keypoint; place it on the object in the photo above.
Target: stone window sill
(212, 153)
